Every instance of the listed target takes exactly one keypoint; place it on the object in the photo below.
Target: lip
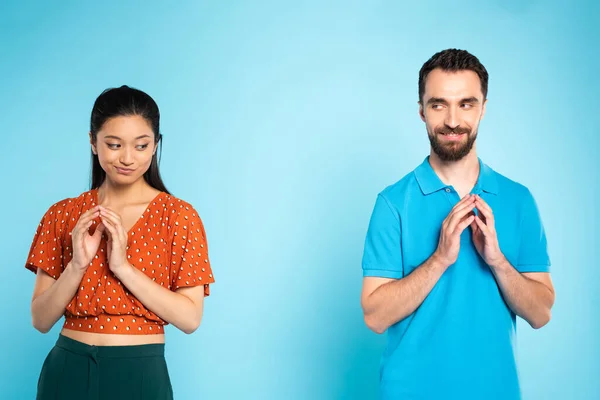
(453, 137)
(124, 171)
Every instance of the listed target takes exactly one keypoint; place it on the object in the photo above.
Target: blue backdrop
(281, 122)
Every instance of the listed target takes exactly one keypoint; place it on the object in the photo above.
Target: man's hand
(454, 224)
(484, 234)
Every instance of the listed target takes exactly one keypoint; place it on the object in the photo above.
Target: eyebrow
(440, 100)
(118, 138)
(437, 100)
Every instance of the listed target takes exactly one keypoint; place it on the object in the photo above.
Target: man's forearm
(529, 299)
(394, 301)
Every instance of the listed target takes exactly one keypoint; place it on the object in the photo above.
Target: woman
(120, 262)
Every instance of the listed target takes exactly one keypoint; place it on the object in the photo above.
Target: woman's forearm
(48, 306)
(174, 308)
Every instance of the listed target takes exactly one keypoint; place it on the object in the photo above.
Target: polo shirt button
(447, 190)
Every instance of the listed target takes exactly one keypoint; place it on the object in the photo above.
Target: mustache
(445, 130)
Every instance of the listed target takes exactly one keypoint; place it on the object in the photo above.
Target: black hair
(126, 101)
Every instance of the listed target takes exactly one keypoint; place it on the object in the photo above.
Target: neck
(111, 194)
(461, 174)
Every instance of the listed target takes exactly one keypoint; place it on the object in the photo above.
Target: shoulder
(62, 215)
(516, 198)
(67, 205)
(509, 187)
(184, 219)
(396, 194)
(179, 207)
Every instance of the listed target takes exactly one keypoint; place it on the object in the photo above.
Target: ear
(94, 149)
(483, 108)
(421, 112)
(156, 143)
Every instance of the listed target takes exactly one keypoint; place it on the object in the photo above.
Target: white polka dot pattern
(167, 243)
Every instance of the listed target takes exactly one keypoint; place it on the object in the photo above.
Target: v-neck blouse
(167, 243)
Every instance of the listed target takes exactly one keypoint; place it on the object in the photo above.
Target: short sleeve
(46, 250)
(533, 248)
(382, 255)
(190, 265)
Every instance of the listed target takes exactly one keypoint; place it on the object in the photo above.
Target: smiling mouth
(453, 136)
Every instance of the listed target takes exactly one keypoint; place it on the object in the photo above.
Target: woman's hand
(85, 246)
(117, 240)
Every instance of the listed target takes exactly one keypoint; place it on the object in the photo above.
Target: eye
(436, 106)
(467, 106)
(113, 146)
(142, 146)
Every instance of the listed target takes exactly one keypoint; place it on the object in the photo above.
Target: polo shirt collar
(429, 182)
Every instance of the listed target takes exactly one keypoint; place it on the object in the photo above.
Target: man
(454, 251)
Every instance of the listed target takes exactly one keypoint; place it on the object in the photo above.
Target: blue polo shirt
(460, 343)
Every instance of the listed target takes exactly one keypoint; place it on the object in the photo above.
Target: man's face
(452, 107)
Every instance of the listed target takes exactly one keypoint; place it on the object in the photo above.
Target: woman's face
(125, 146)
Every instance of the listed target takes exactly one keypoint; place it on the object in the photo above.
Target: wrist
(439, 262)
(74, 270)
(123, 271)
(499, 264)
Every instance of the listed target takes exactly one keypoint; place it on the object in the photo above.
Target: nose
(126, 157)
(451, 120)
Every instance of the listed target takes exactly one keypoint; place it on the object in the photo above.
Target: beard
(452, 150)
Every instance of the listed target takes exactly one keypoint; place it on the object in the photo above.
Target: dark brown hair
(453, 60)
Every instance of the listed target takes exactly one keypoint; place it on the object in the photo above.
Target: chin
(123, 180)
